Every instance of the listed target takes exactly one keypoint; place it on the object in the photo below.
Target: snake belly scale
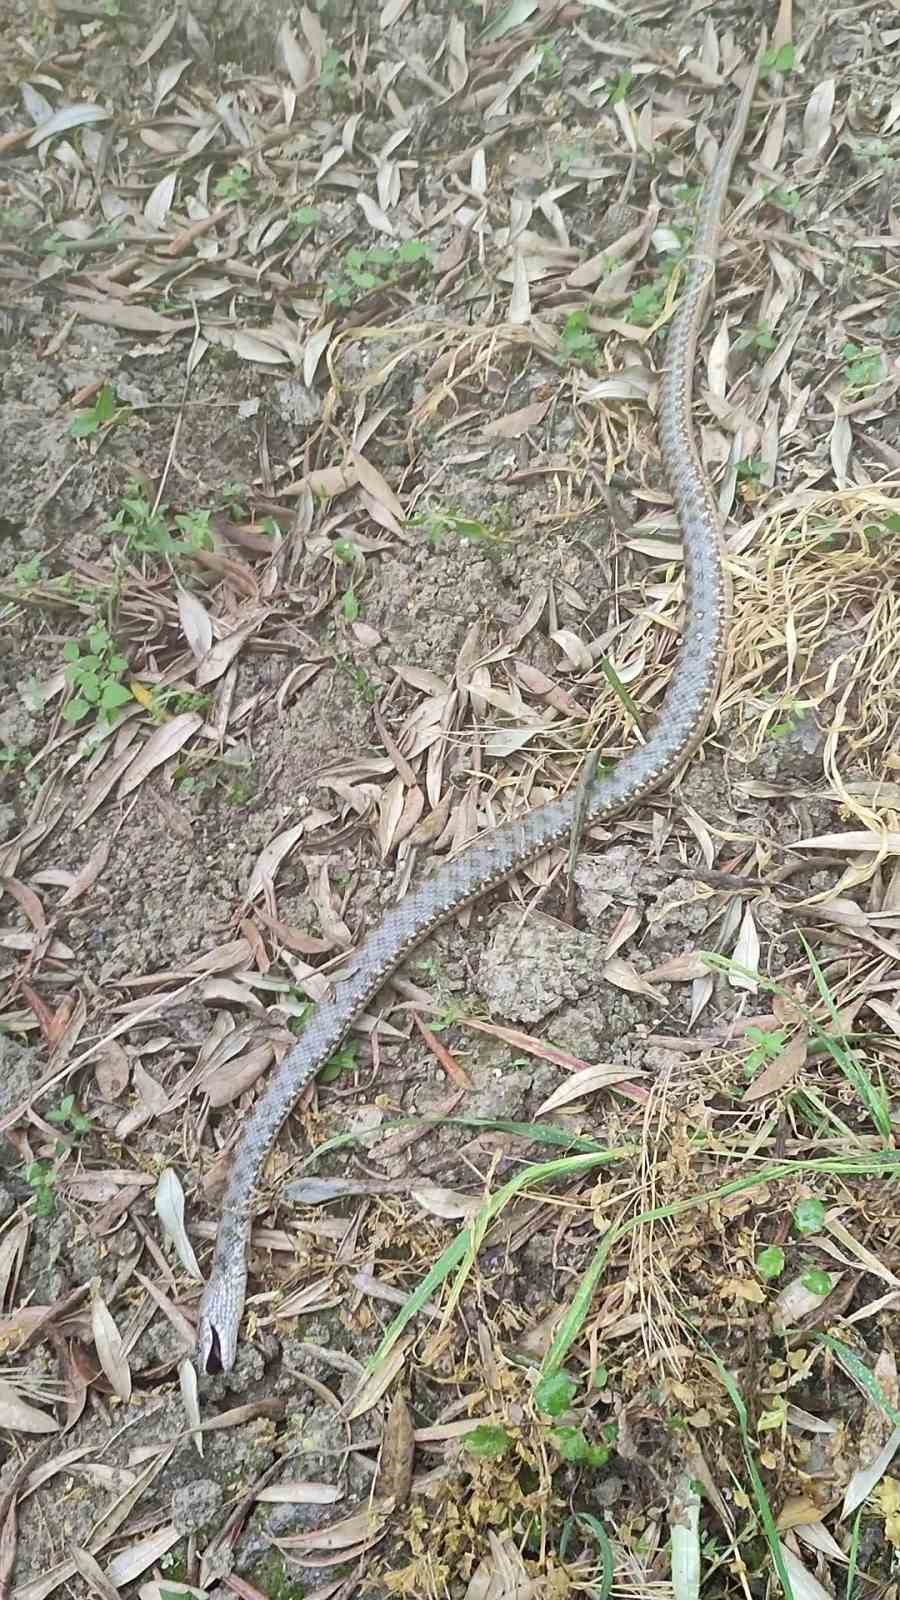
(677, 731)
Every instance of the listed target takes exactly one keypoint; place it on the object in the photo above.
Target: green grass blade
(460, 1248)
(759, 1490)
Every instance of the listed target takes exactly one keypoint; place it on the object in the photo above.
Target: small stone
(195, 1504)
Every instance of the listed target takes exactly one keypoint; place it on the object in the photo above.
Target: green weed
(621, 86)
(71, 1122)
(647, 304)
(780, 59)
(438, 521)
(334, 75)
(166, 703)
(146, 530)
(30, 571)
(41, 1179)
(863, 367)
(302, 220)
(361, 271)
(579, 344)
(105, 412)
(760, 338)
(770, 1263)
(94, 672)
(235, 184)
(235, 779)
(567, 155)
(550, 62)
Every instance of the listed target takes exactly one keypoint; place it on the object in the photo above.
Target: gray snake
(676, 734)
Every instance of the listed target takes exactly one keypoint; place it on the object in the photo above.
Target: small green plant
(41, 1175)
(770, 1262)
(687, 193)
(760, 338)
(233, 777)
(194, 525)
(621, 86)
(448, 1017)
(12, 755)
(240, 781)
(362, 271)
(94, 673)
(362, 683)
(554, 1393)
(809, 1216)
(579, 344)
(233, 498)
(105, 411)
(777, 59)
(343, 1060)
(785, 199)
(647, 304)
(573, 1446)
(14, 220)
(234, 184)
(437, 522)
(30, 571)
(302, 219)
(333, 74)
(789, 721)
(550, 60)
(863, 368)
(748, 471)
(488, 1441)
(567, 156)
(71, 1122)
(817, 1281)
(887, 528)
(166, 703)
(41, 1178)
(767, 1046)
(146, 530)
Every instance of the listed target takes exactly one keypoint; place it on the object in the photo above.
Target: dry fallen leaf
(108, 1344)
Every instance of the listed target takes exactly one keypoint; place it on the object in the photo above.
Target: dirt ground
(332, 533)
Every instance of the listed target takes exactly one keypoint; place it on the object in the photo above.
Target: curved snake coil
(676, 734)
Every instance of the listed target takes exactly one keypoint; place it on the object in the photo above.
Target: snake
(674, 737)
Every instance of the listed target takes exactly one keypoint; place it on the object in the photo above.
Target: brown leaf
(196, 624)
(136, 319)
(587, 1081)
(377, 486)
(18, 1415)
(777, 1074)
(112, 1071)
(446, 1058)
(395, 1466)
(164, 743)
(108, 1344)
(515, 423)
(219, 658)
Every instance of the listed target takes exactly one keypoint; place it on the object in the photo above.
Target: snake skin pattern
(676, 734)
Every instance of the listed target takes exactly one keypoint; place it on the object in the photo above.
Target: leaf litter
(459, 318)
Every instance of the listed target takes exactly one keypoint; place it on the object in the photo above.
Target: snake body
(676, 734)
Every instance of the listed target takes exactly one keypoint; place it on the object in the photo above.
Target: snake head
(220, 1318)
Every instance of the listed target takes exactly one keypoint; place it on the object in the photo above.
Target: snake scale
(676, 734)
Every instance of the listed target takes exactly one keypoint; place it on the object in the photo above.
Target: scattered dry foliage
(330, 350)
